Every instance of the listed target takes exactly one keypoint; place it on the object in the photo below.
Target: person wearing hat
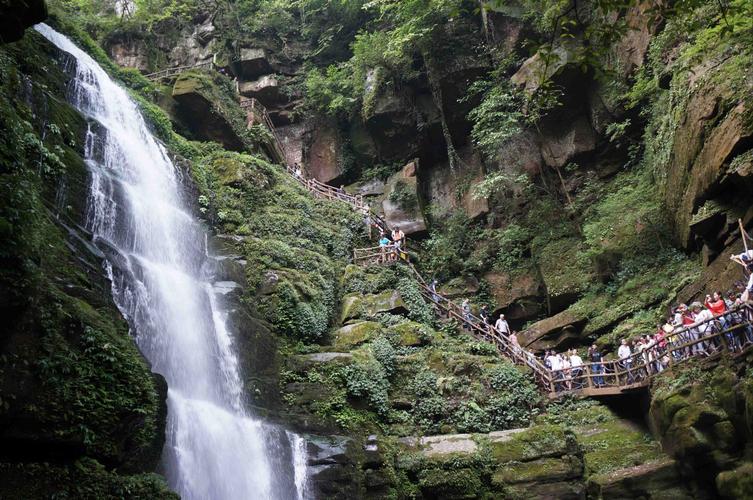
(745, 259)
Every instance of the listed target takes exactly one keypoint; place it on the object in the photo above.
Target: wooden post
(743, 234)
(588, 375)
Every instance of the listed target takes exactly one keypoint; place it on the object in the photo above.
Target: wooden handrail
(168, 72)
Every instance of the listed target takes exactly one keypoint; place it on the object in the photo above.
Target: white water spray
(159, 268)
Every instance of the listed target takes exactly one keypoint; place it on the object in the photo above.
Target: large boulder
(322, 157)
(355, 334)
(401, 206)
(356, 305)
(196, 96)
(252, 63)
(538, 69)
(441, 446)
(517, 293)
(555, 332)
(453, 189)
(265, 88)
(562, 143)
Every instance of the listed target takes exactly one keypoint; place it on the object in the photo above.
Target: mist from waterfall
(162, 282)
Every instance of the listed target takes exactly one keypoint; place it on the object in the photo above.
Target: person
(484, 314)
(501, 325)
(576, 365)
(558, 375)
(384, 246)
(703, 326)
(466, 306)
(514, 342)
(624, 354)
(433, 288)
(398, 236)
(745, 259)
(718, 308)
(548, 359)
(565, 363)
(297, 171)
(594, 356)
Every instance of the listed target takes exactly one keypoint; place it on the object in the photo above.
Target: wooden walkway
(169, 73)
(730, 335)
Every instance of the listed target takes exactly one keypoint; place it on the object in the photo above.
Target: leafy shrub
(404, 196)
(385, 354)
(368, 381)
(470, 417)
(518, 398)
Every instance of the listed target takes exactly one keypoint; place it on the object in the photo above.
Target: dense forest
(198, 302)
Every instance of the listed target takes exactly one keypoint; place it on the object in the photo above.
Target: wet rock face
(707, 430)
(707, 159)
(197, 105)
(322, 157)
(15, 17)
(129, 53)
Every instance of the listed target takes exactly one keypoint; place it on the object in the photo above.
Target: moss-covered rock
(355, 334)
(544, 441)
(412, 334)
(360, 306)
(737, 483)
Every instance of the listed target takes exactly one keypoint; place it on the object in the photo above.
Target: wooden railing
(257, 109)
(171, 72)
(730, 333)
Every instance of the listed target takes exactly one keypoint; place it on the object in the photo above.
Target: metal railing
(171, 72)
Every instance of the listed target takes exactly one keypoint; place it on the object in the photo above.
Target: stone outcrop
(129, 52)
(517, 294)
(323, 156)
(538, 69)
(556, 332)
(266, 89)
(559, 145)
(252, 63)
(401, 205)
(453, 190)
(708, 139)
(197, 103)
(357, 305)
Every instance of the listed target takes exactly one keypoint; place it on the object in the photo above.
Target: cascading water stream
(162, 283)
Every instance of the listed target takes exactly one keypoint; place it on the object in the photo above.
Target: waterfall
(162, 283)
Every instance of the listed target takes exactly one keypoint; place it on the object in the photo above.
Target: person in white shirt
(501, 325)
(624, 354)
(556, 367)
(703, 326)
(565, 360)
(576, 363)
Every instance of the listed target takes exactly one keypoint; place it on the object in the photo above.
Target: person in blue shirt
(384, 244)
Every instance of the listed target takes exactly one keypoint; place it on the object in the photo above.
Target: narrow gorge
(339, 249)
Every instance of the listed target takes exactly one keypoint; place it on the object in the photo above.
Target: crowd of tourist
(695, 330)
